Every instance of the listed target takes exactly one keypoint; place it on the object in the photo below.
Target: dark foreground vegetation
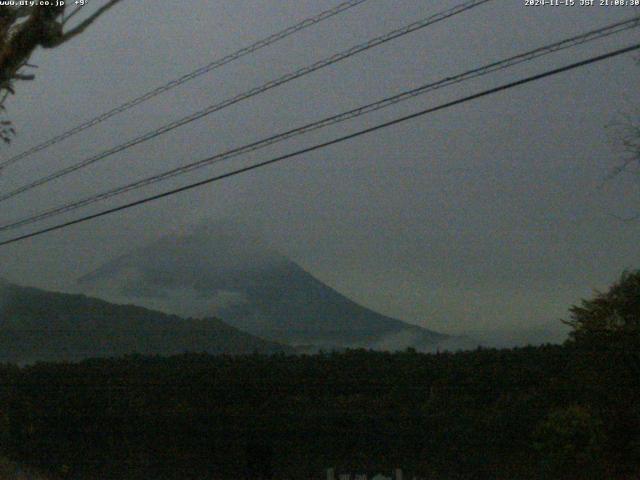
(555, 412)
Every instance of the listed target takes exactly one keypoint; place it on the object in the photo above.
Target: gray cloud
(488, 214)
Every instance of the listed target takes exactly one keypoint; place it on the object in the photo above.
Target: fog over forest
(346, 239)
(493, 215)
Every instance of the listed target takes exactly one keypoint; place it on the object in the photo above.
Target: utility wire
(185, 78)
(337, 140)
(350, 114)
(250, 93)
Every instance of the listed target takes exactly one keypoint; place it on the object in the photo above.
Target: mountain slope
(40, 325)
(223, 271)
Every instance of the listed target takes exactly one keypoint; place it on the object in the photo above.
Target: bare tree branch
(22, 76)
(73, 14)
(42, 28)
(86, 23)
(25, 28)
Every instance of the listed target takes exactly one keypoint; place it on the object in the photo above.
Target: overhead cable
(322, 145)
(248, 94)
(308, 22)
(344, 116)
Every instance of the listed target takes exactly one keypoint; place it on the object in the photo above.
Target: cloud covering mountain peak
(225, 270)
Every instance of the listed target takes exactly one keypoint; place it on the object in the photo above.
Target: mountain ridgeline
(222, 271)
(37, 325)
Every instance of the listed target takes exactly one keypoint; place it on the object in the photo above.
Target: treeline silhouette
(555, 412)
(481, 414)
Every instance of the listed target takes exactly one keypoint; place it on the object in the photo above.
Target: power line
(319, 146)
(308, 22)
(350, 114)
(250, 93)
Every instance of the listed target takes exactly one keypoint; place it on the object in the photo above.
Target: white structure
(331, 475)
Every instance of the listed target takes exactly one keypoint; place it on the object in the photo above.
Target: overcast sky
(487, 215)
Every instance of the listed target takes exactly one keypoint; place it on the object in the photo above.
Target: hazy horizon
(493, 215)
